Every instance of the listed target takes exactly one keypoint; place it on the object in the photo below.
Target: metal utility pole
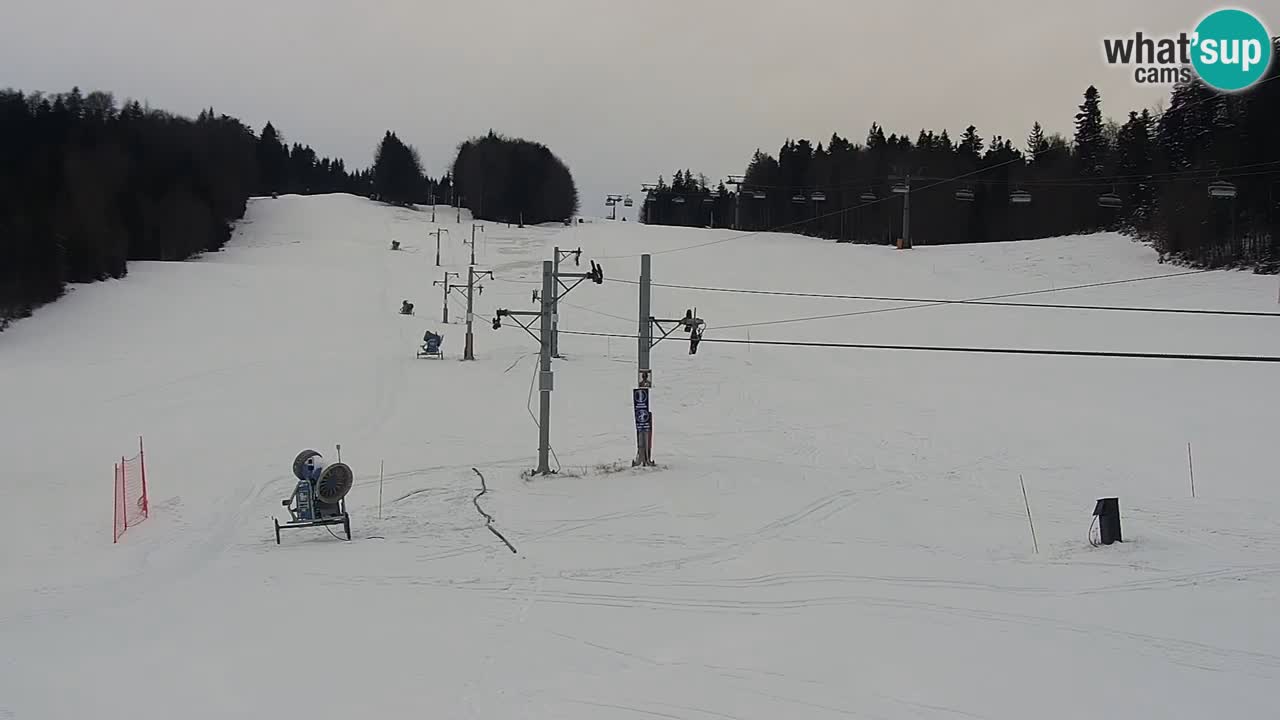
(545, 376)
(691, 323)
(468, 352)
(906, 215)
(644, 374)
(904, 189)
(545, 383)
(445, 284)
(555, 303)
(736, 181)
(473, 241)
(433, 206)
(437, 234)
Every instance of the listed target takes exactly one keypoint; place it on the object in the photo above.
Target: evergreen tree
(970, 147)
(397, 171)
(511, 179)
(273, 161)
(1135, 159)
(1036, 142)
(1090, 141)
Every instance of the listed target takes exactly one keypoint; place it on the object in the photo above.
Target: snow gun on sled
(319, 498)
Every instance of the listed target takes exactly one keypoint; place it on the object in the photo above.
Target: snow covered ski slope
(831, 532)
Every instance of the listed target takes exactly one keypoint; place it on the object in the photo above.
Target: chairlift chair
(964, 195)
(1221, 189)
(1019, 197)
(679, 200)
(1109, 200)
(818, 196)
(627, 202)
(868, 197)
(759, 195)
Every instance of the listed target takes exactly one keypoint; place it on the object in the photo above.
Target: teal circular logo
(1231, 49)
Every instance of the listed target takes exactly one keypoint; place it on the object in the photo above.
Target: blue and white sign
(640, 399)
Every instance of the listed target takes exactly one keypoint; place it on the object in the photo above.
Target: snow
(830, 533)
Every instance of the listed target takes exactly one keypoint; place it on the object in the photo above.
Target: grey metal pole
(545, 376)
(646, 329)
(643, 371)
(445, 304)
(468, 352)
(906, 215)
(555, 309)
(437, 234)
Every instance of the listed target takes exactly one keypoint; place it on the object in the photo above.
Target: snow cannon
(319, 497)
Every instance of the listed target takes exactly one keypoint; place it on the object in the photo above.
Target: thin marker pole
(1191, 468)
(1027, 503)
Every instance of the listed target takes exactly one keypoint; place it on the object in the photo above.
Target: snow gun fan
(319, 497)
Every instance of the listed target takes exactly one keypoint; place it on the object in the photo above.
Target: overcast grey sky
(621, 91)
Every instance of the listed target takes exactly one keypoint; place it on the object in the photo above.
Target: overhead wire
(990, 301)
(597, 312)
(829, 316)
(967, 350)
